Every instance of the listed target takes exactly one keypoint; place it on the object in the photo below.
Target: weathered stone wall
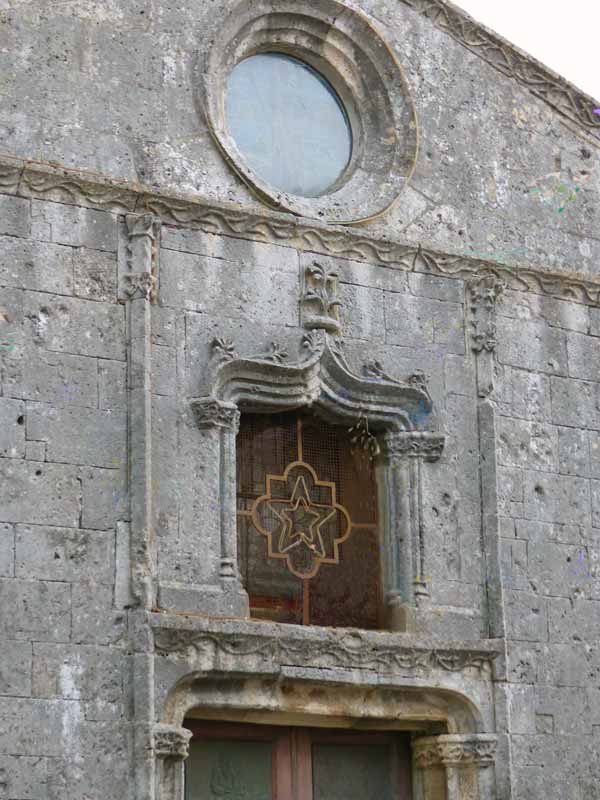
(117, 85)
(548, 429)
(510, 511)
(64, 667)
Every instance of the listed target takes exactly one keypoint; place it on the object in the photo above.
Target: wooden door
(255, 762)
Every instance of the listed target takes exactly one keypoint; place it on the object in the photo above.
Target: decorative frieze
(69, 186)
(350, 651)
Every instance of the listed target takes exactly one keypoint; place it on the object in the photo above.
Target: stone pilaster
(138, 284)
(171, 748)
(483, 295)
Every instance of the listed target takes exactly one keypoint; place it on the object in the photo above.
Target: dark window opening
(307, 522)
(260, 762)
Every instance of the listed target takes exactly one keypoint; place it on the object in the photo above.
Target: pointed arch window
(308, 544)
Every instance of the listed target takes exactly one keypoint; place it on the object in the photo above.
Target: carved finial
(320, 306)
(483, 295)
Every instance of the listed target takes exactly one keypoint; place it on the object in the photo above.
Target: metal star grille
(303, 554)
(296, 525)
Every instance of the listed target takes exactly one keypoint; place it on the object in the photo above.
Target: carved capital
(399, 445)
(320, 304)
(171, 742)
(483, 295)
(454, 750)
(211, 413)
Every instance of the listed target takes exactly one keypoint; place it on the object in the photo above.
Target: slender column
(455, 767)
(483, 295)
(171, 748)
(223, 419)
(399, 501)
(138, 291)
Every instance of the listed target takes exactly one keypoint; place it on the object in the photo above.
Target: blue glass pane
(288, 123)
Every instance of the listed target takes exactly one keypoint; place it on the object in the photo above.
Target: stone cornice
(57, 184)
(275, 646)
(508, 59)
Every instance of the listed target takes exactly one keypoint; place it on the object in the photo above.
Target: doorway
(230, 761)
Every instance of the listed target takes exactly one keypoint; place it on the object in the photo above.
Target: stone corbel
(455, 767)
(171, 748)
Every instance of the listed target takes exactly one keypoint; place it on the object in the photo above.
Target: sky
(562, 34)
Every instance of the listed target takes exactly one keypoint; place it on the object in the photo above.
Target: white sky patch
(562, 34)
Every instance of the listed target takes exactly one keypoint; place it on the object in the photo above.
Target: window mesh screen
(307, 522)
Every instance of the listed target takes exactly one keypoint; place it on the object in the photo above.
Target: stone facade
(146, 298)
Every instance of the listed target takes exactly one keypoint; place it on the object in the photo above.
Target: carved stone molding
(324, 380)
(320, 304)
(64, 185)
(483, 296)
(454, 750)
(371, 407)
(333, 650)
(171, 742)
(210, 413)
(507, 59)
(414, 444)
(68, 186)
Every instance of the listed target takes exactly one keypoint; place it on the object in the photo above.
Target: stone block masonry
(117, 518)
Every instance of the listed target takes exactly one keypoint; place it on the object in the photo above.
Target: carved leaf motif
(223, 347)
(276, 354)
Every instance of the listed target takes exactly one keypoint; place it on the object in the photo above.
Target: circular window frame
(345, 49)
